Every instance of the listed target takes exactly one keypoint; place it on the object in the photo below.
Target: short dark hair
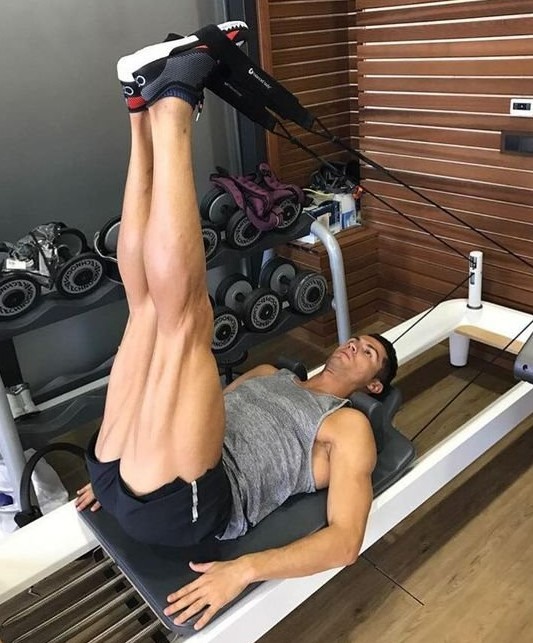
(389, 368)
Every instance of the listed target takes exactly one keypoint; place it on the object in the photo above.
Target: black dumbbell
(241, 232)
(80, 275)
(259, 309)
(106, 244)
(70, 242)
(217, 206)
(305, 290)
(211, 239)
(291, 209)
(19, 293)
(219, 210)
(226, 329)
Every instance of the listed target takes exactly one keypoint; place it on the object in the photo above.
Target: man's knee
(192, 315)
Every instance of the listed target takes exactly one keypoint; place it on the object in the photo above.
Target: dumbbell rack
(289, 319)
(269, 240)
(60, 415)
(52, 307)
(84, 403)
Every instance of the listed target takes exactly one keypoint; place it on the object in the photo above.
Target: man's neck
(324, 382)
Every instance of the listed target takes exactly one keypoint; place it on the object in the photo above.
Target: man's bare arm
(352, 460)
(258, 371)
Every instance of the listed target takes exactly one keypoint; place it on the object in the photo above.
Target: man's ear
(375, 387)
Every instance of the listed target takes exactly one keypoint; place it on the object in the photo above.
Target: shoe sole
(127, 65)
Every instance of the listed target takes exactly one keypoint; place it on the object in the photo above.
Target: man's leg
(179, 429)
(130, 368)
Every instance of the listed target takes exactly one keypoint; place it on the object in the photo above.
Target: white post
(10, 447)
(474, 284)
(459, 345)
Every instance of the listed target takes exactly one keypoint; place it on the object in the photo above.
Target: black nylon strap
(241, 71)
(242, 101)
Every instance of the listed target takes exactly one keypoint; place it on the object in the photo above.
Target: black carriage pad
(156, 571)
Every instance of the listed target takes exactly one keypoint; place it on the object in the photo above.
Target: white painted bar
(42, 548)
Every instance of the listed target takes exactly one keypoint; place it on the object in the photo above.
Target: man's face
(358, 361)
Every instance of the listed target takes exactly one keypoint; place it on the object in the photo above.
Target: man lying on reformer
(176, 459)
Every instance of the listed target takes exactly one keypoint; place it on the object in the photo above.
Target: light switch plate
(522, 107)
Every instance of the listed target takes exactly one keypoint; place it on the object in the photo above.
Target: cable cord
(471, 381)
(334, 139)
(429, 310)
(295, 141)
(337, 141)
(304, 147)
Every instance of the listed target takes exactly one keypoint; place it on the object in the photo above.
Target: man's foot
(176, 67)
(132, 95)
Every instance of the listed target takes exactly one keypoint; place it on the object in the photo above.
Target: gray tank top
(271, 425)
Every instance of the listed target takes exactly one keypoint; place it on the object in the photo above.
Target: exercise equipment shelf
(53, 308)
(269, 240)
(289, 320)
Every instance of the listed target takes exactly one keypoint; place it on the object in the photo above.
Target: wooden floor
(458, 570)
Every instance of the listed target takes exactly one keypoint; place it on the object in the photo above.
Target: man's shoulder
(264, 369)
(345, 424)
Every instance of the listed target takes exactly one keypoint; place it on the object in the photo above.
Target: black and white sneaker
(183, 64)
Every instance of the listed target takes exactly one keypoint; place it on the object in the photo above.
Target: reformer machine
(64, 536)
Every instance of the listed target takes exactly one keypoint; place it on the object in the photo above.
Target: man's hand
(219, 584)
(85, 498)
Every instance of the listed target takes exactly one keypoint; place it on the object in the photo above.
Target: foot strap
(242, 101)
(245, 77)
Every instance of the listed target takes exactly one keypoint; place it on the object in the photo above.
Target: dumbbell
(70, 242)
(291, 209)
(226, 328)
(305, 290)
(81, 271)
(105, 245)
(241, 232)
(259, 309)
(211, 239)
(19, 293)
(219, 211)
(217, 206)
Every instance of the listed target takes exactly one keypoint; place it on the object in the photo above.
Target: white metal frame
(47, 545)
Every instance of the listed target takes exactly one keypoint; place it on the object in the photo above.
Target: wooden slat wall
(433, 101)
(305, 45)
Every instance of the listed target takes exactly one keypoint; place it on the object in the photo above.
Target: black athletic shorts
(178, 514)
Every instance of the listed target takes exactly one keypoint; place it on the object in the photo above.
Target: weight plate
(232, 291)
(110, 236)
(70, 242)
(80, 276)
(262, 310)
(18, 294)
(226, 329)
(291, 211)
(307, 292)
(217, 206)
(240, 231)
(277, 273)
(106, 239)
(211, 238)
